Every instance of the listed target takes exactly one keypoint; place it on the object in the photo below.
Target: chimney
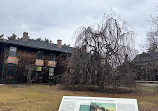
(59, 42)
(25, 37)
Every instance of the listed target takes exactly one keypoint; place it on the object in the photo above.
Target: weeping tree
(102, 56)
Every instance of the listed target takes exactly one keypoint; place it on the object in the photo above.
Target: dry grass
(148, 87)
(46, 98)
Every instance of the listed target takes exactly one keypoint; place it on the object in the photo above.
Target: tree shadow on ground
(123, 90)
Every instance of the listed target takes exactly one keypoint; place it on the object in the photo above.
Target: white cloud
(55, 19)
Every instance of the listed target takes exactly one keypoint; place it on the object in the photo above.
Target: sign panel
(76, 103)
(52, 63)
(39, 62)
(12, 59)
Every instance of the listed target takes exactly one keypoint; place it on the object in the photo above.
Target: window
(51, 71)
(38, 68)
(38, 71)
(1, 51)
(12, 51)
(11, 69)
(52, 56)
(39, 55)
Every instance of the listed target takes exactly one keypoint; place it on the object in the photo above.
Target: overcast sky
(58, 19)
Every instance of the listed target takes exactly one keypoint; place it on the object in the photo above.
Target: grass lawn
(46, 98)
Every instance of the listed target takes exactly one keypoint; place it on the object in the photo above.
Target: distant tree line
(15, 37)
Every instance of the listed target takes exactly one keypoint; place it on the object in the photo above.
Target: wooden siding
(25, 55)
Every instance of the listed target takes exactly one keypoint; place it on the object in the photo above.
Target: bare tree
(152, 35)
(100, 56)
(26, 67)
(29, 68)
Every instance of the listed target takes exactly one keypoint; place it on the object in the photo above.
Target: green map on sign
(84, 108)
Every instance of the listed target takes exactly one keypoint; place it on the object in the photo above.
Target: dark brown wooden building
(19, 56)
(146, 65)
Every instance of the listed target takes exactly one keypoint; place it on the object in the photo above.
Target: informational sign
(76, 103)
(52, 63)
(13, 60)
(39, 62)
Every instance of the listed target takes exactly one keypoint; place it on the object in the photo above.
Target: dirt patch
(2, 104)
(6, 109)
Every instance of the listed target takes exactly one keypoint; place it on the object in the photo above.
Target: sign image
(84, 108)
(102, 107)
(98, 107)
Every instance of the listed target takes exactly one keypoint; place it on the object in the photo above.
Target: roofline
(6, 42)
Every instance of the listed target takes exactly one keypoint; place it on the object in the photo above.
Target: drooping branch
(103, 63)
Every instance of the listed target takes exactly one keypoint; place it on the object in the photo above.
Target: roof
(39, 45)
(153, 56)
